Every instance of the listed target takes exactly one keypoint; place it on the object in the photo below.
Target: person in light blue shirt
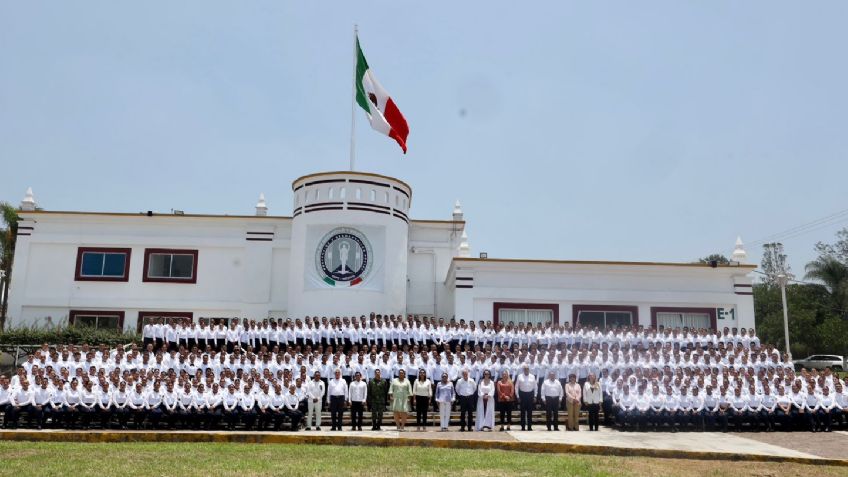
(445, 396)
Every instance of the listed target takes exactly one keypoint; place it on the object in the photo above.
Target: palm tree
(833, 274)
(8, 235)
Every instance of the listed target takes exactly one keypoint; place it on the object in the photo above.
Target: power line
(829, 220)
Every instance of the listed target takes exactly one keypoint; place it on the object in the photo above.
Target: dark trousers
(154, 416)
(248, 417)
(13, 414)
(506, 412)
(376, 417)
(552, 412)
(593, 416)
(336, 411)
(264, 418)
(526, 399)
(421, 405)
(295, 416)
(356, 409)
(723, 417)
(608, 413)
(139, 415)
(466, 411)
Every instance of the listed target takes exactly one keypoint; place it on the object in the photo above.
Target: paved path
(770, 446)
(685, 441)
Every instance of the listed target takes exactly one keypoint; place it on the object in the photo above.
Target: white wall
(565, 284)
(235, 277)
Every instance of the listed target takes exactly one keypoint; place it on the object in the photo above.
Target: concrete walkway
(773, 447)
(681, 441)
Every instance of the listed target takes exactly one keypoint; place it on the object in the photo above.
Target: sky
(603, 130)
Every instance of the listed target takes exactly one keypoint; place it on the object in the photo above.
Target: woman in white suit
(486, 403)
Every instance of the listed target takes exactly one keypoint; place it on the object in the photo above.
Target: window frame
(79, 277)
(675, 309)
(169, 251)
(498, 305)
(632, 309)
(73, 314)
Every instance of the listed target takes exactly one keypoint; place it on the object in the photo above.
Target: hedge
(66, 335)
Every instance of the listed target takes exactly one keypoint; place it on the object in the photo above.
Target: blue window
(95, 264)
(102, 264)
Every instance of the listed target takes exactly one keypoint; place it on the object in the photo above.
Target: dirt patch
(831, 445)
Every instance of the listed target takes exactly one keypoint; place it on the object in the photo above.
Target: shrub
(65, 335)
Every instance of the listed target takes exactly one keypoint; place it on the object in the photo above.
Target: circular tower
(348, 244)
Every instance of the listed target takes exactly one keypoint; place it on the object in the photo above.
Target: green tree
(8, 235)
(809, 309)
(838, 249)
(721, 259)
(774, 262)
(833, 274)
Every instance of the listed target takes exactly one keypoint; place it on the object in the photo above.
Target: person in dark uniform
(376, 399)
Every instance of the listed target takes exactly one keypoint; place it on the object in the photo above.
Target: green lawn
(21, 459)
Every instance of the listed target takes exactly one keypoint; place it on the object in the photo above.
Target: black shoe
(529, 428)
(317, 428)
(359, 428)
(523, 429)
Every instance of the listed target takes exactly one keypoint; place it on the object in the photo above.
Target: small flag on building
(382, 112)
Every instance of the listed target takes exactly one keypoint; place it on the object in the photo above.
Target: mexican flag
(382, 112)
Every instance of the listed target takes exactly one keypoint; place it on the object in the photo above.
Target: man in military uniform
(377, 390)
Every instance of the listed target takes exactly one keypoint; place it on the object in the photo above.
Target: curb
(276, 438)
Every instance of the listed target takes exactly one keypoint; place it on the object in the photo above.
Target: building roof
(355, 173)
(600, 262)
(24, 213)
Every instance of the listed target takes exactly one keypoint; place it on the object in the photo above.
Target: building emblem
(343, 257)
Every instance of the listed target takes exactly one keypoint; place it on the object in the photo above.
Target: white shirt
(526, 383)
(358, 391)
(315, 389)
(466, 387)
(551, 388)
(337, 387)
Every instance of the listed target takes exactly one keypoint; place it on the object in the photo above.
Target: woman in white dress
(486, 403)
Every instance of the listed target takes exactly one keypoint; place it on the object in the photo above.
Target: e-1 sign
(726, 313)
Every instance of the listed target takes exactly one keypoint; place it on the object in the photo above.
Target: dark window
(102, 264)
(166, 265)
(605, 316)
(101, 320)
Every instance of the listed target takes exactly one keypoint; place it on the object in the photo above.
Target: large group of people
(265, 374)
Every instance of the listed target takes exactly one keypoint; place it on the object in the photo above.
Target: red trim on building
(72, 315)
(554, 307)
(78, 272)
(674, 309)
(576, 309)
(149, 251)
(164, 314)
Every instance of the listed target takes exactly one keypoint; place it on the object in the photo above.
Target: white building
(348, 248)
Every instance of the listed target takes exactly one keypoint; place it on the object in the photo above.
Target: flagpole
(353, 102)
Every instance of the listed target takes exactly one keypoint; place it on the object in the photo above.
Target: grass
(196, 459)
